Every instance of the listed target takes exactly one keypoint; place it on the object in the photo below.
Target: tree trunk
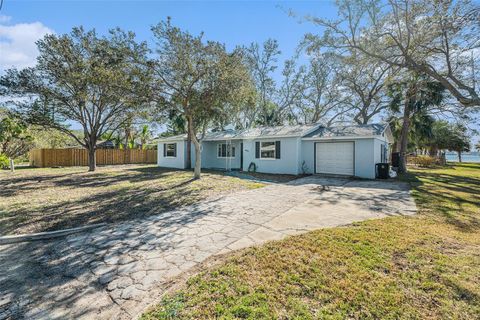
(198, 152)
(126, 154)
(12, 165)
(189, 150)
(403, 143)
(443, 159)
(92, 159)
(459, 156)
(198, 159)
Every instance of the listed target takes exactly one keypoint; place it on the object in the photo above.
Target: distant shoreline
(465, 158)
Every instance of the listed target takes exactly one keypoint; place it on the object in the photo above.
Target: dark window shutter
(175, 150)
(164, 149)
(277, 149)
(257, 149)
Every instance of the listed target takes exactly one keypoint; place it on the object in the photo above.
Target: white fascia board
(343, 138)
(270, 137)
(383, 139)
(220, 139)
(171, 140)
(310, 130)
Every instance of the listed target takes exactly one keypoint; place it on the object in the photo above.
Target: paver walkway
(116, 271)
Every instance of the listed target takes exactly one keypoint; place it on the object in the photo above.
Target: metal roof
(362, 130)
(305, 131)
(279, 131)
(251, 133)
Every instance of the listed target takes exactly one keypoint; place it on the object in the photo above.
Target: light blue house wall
(289, 156)
(364, 158)
(379, 144)
(297, 154)
(172, 162)
(367, 154)
(307, 157)
(211, 160)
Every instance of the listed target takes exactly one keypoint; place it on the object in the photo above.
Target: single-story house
(351, 150)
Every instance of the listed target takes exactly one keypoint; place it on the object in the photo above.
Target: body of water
(465, 157)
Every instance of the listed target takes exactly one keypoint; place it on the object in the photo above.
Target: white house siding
(296, 156)
(379, 144)
(172, 162)
(287, 164)
(210, 156)
(364, 158)
(307, 157)
(299, 156)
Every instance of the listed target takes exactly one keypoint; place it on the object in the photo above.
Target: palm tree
(421, 131)
(145, 135)
(412, 96)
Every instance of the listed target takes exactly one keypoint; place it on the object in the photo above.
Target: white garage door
(335, 158)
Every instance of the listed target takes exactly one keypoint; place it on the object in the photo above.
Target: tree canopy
(15, 139)
(436, 38)
(198, 80)
(92, 80)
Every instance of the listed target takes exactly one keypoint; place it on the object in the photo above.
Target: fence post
(42, 157)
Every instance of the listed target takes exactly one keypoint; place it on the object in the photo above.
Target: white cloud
(4, 18)
(17, 43)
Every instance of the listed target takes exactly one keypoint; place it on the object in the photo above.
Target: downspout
(230, 157)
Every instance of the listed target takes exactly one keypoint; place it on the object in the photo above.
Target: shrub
(4, 162)
(424, 161)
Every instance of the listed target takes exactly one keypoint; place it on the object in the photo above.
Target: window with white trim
(225, 150)
(171, 150)
(267, 150)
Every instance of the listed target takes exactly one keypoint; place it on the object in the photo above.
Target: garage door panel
(335, 158)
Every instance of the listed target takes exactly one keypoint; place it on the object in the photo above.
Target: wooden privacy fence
(79, 157)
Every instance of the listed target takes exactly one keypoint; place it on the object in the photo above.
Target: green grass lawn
(421, 267)
(34, 200)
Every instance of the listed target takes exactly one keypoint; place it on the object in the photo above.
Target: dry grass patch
(421, 267)
(34, 200)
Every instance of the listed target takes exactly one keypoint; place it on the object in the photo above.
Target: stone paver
(115, 271)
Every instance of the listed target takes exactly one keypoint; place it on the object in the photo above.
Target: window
(383, 153)
(170, 150)
(267, 150)
(225, 150)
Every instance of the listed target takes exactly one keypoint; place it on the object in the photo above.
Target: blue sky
(231, 22)
(22, 22)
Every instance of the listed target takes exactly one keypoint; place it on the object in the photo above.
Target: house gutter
(343, 138)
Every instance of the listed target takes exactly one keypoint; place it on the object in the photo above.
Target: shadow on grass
(17, 185)
(454, 196)
(58, 279)
(472, 165)
(462, 293)
(157, 190)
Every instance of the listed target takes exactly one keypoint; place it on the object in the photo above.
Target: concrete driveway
(117, 270)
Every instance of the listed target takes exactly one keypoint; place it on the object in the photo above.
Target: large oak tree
(436, 38)
(84, 78)
(199, 81)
